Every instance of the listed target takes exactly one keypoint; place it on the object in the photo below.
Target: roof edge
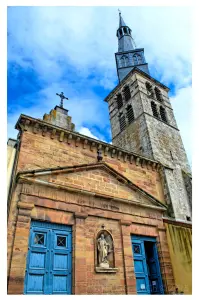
(75, 133)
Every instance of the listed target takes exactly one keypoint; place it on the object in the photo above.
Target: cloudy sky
(71, 49)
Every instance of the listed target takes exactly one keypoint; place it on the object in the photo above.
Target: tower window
(119, 101)
(154, 109)
(120, 31)
(130, 114)
(122, 122)
(125, 31)
(127, 93)
(149, 89)
(163, 114)
(158, 94)
(137, 59)
(124, 60)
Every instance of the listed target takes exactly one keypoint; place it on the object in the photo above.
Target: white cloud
(54, 40)
(87, 132)
(182, 106)
(85, 37)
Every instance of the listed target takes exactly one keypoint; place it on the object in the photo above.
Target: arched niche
(104, 252)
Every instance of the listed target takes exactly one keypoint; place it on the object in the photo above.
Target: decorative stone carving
(105, 260)
(103, 248)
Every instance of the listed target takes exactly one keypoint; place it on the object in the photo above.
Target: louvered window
(119, 101)
(149, 88)
(163, 114)
(158, 94)
(130, 114)
(127, 93)
(122, 122)
(154, 109)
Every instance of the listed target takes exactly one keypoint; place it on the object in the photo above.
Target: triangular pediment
(98, 179)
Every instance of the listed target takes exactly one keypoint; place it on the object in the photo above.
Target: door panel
(155, 279)
(140, 266)
(49, 259)
(146, 265)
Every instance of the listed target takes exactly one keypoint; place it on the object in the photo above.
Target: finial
(119, 11)
(62, 98)
(99, 155)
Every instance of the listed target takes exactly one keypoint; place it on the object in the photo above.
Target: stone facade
(152, 137)
(59, 180)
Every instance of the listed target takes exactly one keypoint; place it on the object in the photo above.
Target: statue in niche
(104, 248)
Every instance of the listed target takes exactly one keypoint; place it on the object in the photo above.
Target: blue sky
(71, 49)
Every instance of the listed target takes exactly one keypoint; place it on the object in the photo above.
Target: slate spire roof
(121, 21)
(125, 40)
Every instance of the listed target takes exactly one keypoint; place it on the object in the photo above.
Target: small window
(124, 60)
(61, 241)
(154, 109)
(122, 122)
(120, 31)
(137, 59)
(39, 239)
(163, 114)
(149, 89)
(188, 218)
(119, 101)
(136, 249)
(130, 114)
(127, 93)
(158, 94)
(125, 31)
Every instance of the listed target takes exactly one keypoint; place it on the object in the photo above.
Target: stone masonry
(59, 180)
(152, 137)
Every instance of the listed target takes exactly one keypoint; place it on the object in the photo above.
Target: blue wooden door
(155, 280)
(49, 259)
(140, 267)
(146, 265)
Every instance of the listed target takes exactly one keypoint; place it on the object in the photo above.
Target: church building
(89, 217)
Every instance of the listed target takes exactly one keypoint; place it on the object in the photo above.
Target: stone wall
(11, 152)
(152, 137)
(38, 151)
(87, 215)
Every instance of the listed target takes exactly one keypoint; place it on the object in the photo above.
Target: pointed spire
(121, 21)
(125, 40)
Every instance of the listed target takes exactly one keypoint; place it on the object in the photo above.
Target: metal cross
(62, 98)
(119, 11)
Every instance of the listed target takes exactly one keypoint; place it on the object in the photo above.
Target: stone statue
(103, 250)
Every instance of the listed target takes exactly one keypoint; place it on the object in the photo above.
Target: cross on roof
(62, 98)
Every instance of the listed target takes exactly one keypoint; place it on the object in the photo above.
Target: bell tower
(142, 121)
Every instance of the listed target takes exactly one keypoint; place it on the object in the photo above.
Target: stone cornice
(41, 127)
(177, 222)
